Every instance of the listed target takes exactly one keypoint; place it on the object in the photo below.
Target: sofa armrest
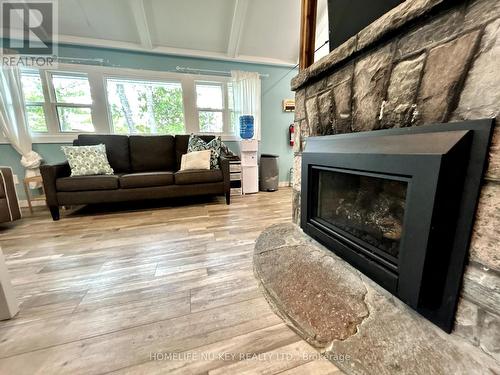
(224, 166)
(50, 173)
(5, 173)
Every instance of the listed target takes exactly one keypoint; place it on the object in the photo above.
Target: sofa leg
(228, 198)
(54, 211)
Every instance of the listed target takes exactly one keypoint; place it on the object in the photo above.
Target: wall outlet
(16, 179)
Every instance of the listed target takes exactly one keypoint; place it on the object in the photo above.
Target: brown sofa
(146, 167)
(9, 206)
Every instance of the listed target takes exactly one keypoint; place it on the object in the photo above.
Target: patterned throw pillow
(197, 144)
(87, 160)
(225, 151)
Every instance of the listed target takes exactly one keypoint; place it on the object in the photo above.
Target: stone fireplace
(424, 62)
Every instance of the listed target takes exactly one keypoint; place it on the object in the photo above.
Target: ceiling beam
(141, 23)
(237, 24)
(113, 44)
(307, 33)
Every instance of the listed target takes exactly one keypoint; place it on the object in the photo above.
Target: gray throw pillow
(197, 144)
(87, 160)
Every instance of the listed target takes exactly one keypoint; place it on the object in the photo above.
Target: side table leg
(28, 197)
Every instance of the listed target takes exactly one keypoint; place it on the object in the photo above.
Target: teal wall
(275, 88)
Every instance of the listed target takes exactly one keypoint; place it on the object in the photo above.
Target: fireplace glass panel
(368, 208)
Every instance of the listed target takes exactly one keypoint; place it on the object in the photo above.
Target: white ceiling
(248, 30)
(262, 31)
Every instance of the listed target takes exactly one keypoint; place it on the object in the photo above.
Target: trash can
(269, 172)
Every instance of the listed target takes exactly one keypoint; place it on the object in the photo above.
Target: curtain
(247, 98)
(13, 122)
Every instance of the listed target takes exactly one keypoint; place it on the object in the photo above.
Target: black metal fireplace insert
(399, 205)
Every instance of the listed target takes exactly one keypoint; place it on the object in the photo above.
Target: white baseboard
(284, 184)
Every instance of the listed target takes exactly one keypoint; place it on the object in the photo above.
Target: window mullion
(226, 116)
(100, 113)
(74, 105)
(210, 109)
(50, 110)
(190, 111)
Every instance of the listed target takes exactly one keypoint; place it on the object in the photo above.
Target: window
(73, 102)
(210, 106)
(34, 100)
(233, 126)
(79, 98)
(142, 107)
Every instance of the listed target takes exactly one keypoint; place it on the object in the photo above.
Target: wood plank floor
(146, 290)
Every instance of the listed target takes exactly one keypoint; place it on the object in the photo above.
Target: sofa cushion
(146, 179)
(117, 149)
(198, 176)
(181, 146)
(85, 183)
(152, 153)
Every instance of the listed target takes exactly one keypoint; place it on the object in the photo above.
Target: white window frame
(101, 116)
(226, 112)
(54, 104)
(38, 104)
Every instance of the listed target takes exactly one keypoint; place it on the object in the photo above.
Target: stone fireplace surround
(426, 61)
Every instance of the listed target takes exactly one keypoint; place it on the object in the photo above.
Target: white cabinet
(249, 145)
(249, 166)
(250, 180)
(235, 177)
(249, 158)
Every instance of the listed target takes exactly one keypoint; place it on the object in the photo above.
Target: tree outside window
(34, 100)
(73, 102)
(142, 107)
(210, 105)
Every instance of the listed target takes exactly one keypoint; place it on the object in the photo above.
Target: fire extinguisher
(291, 131)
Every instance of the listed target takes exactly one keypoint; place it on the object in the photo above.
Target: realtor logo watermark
(29, 32)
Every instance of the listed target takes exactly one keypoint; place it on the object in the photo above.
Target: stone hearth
(356, 324)
(426, 61)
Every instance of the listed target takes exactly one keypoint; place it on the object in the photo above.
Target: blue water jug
(246, 126)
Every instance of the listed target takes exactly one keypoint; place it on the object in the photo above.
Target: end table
(30, 198)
